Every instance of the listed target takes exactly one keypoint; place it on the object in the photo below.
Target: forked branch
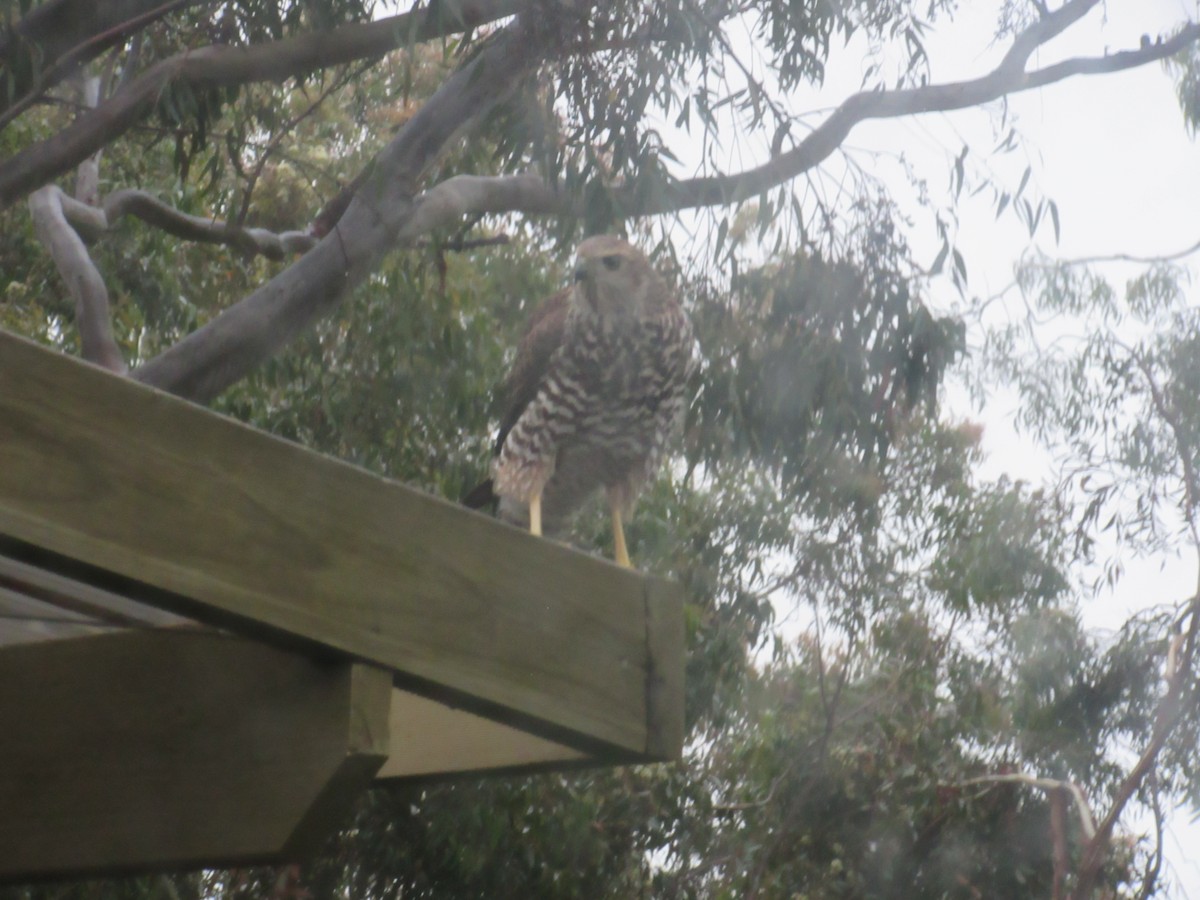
(226, 66)
(233, 344)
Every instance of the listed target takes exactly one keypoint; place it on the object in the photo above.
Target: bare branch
(233, 344)
(87, 176)
(1086, 822)
(79, 272)
(224, 66)
(721, 190)
(1132, 257)
(1049, 26)
(89, 221)
(92, 221)
(154, 212)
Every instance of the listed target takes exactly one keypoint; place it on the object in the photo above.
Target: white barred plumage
(596, 393)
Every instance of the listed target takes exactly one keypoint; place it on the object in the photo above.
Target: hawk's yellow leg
(535, 514)
(620, 551)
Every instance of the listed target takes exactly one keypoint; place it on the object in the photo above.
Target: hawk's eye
(612, 263)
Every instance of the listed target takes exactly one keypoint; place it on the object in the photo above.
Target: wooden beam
(178, 747)
(119, 485)
(666, 651)
(430, 739)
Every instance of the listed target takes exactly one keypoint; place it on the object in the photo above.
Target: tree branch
(79, 272)
(1180, 662)
(720, 190)
(68, 33)
(1049, 785)
(1154, 863)
(1049, 26)
(154, 212)
(230, 346)
(225, 350)
(225, 66)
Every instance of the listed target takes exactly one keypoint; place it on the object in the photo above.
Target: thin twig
(273, 144)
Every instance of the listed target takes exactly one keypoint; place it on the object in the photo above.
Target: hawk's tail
(482, 496)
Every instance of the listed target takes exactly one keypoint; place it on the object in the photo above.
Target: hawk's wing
(542, 337)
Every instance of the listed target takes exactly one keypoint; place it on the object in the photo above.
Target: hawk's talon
(535, 514)
(596, 390)
(620, 551)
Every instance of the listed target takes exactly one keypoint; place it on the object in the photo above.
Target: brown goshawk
(595, 394)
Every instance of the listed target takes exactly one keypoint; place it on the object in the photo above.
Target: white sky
(1112, 151)
(1114, 154)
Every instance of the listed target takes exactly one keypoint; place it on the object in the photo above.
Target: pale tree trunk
(48, 207)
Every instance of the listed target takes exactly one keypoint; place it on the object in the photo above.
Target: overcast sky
(1112, 151)
(1114, 154)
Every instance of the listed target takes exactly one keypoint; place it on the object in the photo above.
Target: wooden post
(175, 748)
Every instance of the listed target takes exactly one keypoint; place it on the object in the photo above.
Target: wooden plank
(177, 747)
(665, 650)
(69, 599)
(213, 520)
(431, 739)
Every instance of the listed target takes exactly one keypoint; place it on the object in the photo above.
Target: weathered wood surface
(37, 605)
(666, 649)
(211, 519)
(431, 739)
(178, 747)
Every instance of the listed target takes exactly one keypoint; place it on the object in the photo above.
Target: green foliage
(875, 632)
(814, 363)
(1187, 65)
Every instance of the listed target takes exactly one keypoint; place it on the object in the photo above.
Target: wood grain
(665, 651)
(431, 739)
(178, 748)
(208, 518)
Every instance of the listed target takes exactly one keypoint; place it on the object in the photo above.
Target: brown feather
(542, 338)
(595, 392)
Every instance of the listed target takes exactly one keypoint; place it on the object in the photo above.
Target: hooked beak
(583, 284)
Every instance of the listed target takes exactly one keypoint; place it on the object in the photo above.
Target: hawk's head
(614, 279)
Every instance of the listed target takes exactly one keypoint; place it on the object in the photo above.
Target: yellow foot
(535, 514)
(620, 551)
